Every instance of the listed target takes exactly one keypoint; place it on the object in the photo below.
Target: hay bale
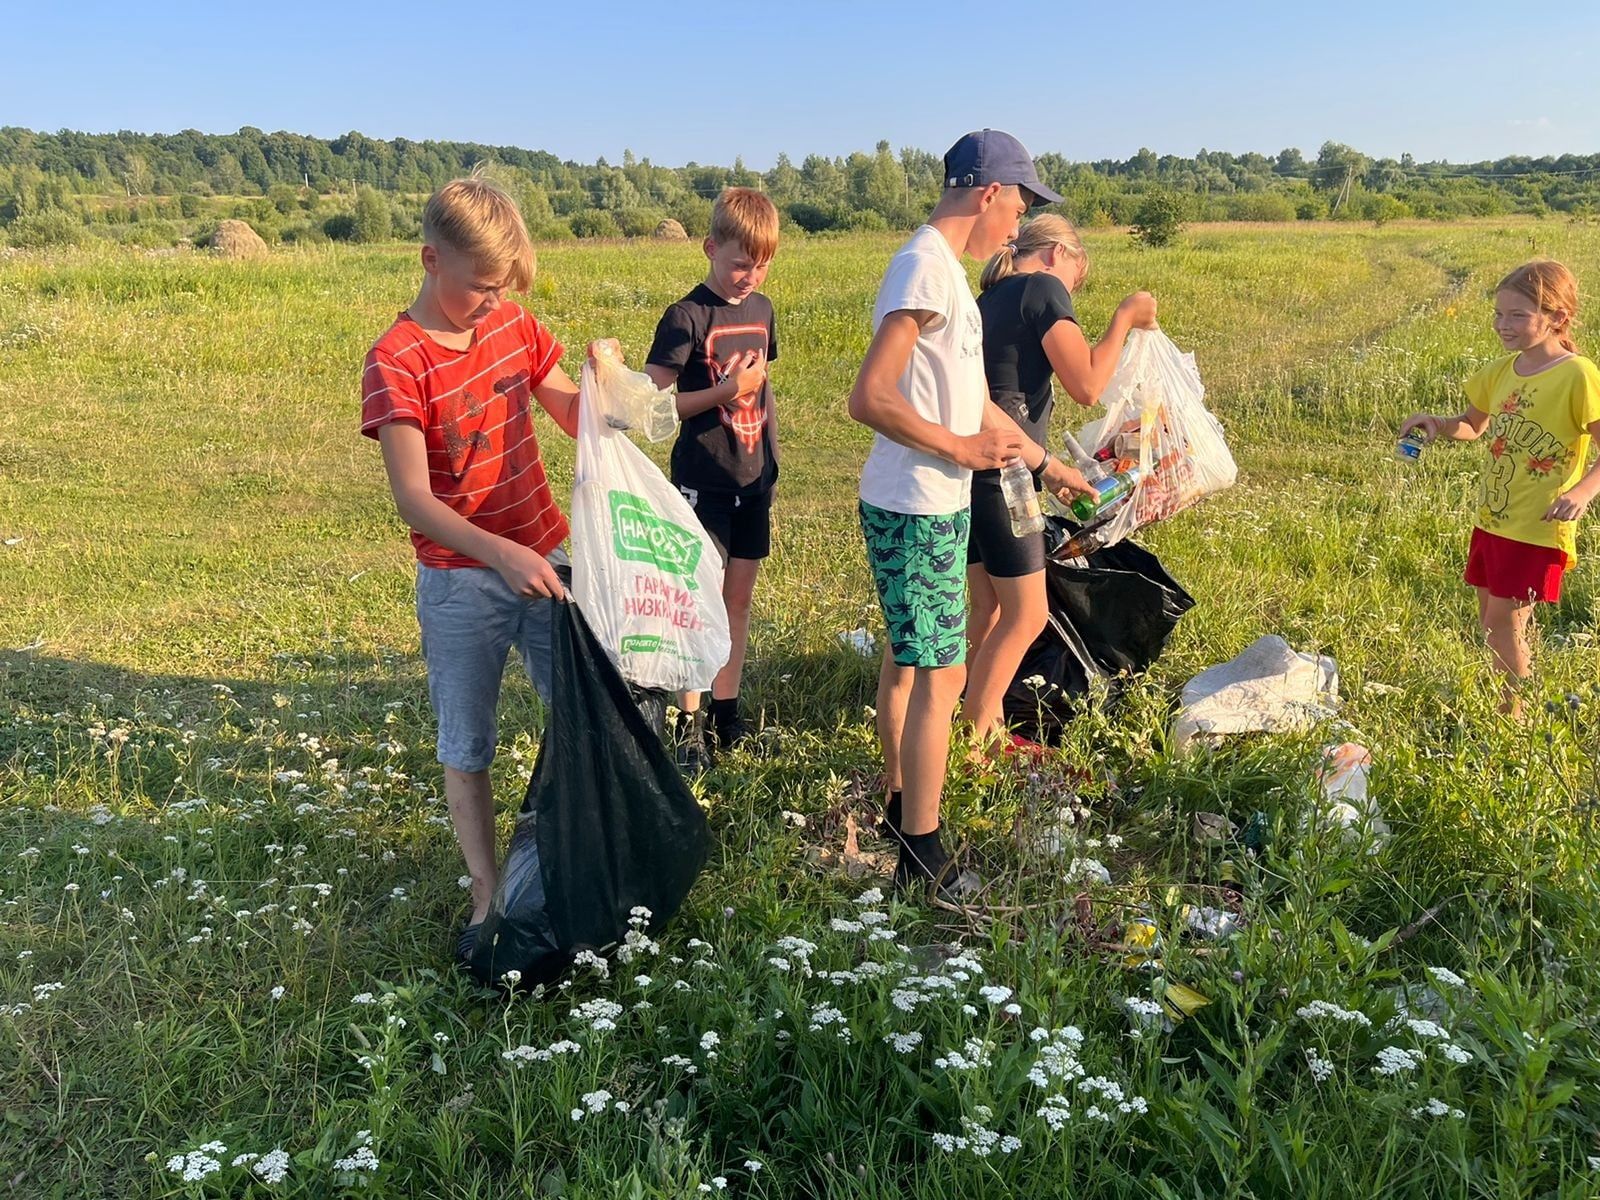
(670, 231)
(235, 239)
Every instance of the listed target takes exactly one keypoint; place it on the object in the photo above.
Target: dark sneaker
(726, 733)
(688, 743)
(692, 758)
(466, 942)
(925, 867)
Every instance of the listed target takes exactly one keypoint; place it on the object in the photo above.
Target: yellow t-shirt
(1538, 439)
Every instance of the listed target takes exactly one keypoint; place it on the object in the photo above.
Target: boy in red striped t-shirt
(446, 393)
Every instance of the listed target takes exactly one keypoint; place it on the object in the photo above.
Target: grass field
(221, 831)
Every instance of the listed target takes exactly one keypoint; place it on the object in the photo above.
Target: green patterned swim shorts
(919, 564)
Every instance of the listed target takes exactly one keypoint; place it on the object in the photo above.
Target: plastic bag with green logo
(646, 574)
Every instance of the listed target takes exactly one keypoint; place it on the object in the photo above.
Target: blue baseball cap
(990, 156)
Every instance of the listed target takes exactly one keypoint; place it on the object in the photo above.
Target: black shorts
(991, 543)
(741, 526)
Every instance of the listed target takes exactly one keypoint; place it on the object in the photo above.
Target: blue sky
(700, 82)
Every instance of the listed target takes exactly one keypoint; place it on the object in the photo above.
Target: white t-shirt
(943, 381)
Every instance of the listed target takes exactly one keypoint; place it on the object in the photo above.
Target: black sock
(922, 854)
(891, 811)
(722, 721)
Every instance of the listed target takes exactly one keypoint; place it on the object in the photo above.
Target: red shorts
(1515, 570)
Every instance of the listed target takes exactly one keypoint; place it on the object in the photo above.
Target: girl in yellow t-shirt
(1540, 405)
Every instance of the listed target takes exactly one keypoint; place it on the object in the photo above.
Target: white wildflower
(1437, 1108)
(1427, 1029)
(272, 1167)
(1447, 977)
(198, 1163)
(1321, 1008)
(974, 1054)
(360, 1159)
(1395, 1060)
(1087, 870)
(1321, 1068)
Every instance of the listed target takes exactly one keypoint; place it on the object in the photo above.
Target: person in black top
(714, 346)
(1031, 337)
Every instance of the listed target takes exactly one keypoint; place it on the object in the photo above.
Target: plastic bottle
(1110, 492)
(1409, 448)
(1022, 500)
(1082, 544)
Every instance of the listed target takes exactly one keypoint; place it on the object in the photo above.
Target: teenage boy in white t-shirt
(922, 389)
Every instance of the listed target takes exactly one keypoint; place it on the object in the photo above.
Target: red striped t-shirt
(474, 409)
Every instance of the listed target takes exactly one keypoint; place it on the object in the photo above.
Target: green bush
(52, 227)
(595, 223)
(341, 227)
(405, 220)
(307, 233)
(1259, 206)
(553, 231)
(817, 218)
(189, 205)
(146, 235)
(640, 222)
(868, 220)
(1381, 208)
(694, 214)
(373, 222)
(1160, 218)
(285, 198)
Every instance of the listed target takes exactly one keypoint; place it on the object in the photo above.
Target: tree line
(294, 186)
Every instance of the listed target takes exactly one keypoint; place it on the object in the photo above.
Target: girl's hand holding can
(1429, 424)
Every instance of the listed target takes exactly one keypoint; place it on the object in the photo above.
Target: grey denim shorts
(470, 620)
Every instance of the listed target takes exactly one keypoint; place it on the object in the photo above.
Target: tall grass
(218, 782)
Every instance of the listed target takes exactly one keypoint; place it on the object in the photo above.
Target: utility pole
(1344, 191)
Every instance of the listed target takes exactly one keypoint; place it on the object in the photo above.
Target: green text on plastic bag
(638, 535)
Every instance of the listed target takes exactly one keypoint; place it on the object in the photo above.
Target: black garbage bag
(607, 824)
(1110, 615)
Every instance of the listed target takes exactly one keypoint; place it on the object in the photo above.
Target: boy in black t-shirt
(714, 346)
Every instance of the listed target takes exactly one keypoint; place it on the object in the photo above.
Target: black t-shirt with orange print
(730, 448)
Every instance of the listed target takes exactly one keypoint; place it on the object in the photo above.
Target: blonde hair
(746, 216)
(475, 216)
(1553, 289)
(1037, 236)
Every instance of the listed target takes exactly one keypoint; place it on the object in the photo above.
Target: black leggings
(991, 543)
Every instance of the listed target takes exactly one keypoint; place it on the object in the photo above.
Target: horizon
(1309, 152)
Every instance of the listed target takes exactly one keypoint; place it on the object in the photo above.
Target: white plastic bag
(631, 400)
(644, 572)
(1156, 420)
(1270, 687)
